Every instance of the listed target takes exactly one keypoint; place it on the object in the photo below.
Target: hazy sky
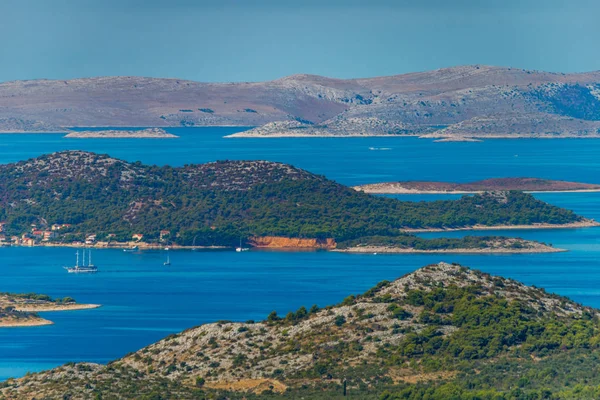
(247, 40)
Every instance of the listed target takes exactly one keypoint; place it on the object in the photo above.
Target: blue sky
(258, 40)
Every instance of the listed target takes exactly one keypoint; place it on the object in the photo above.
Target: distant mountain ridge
(465, 101)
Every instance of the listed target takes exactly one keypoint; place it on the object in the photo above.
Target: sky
(257, 40)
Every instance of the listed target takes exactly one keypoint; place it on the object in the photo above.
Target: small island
(150, 133)
(467, 245)
(20, 310)
(487, 185)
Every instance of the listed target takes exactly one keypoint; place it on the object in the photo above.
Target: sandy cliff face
(277, 242)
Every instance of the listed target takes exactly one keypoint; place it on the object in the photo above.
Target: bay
(143, 300)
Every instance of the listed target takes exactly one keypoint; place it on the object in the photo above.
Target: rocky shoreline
(398, 250)
(585, 223)
(150, 133)
(529, 185)
(22, 311)
(284, 243)
(34, 308)
(105, 245)
(22, 323)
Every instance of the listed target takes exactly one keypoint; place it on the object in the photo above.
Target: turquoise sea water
(346, 160)
(144, 301)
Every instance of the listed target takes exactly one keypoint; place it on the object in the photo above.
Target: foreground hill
(487, 185)
(219, 203)
(458, 102)
(441, 332)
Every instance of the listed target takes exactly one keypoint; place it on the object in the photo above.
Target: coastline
(54, 307)
(6, 132)
(416, 191)
(305, 135)
(32, 319)
(398, 250)
(458, 138)
(586, 223)
(125, 246)
(69, 129)
(148, 133)
(436, 139)
(23, 323)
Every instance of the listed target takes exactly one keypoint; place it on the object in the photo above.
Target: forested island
(441, 332)
(77, 197)
(486, 185)
(21, 309)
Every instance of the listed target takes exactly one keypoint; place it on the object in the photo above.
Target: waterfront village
(58, 235)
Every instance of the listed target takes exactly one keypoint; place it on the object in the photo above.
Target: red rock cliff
(285, 242)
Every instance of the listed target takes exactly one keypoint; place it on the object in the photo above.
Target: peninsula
(442, 331)
(19, 310)
(458, 103)
(265, 204)
(487, 185)
(149, 133)
(466, 245)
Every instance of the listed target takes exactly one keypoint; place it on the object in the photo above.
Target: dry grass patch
(409, 376)
(257, 386)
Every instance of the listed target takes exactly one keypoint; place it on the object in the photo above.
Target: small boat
(240, 249)
(83, 269)
(168, 262)
(131, 249)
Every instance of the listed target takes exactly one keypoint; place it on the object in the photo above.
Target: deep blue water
(346, 160)
(144, 301)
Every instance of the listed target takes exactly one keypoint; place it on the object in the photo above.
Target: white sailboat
(83, 269)
(240, 249)
(168, 262)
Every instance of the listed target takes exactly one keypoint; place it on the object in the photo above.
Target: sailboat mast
(90, 257)
(77, 262)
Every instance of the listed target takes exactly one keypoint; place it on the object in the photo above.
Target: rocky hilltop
(266, 204)
(441, 329)
(459, 102)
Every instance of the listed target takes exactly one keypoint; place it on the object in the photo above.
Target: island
(150, 133)
(77, 198)
(468, 245)
(443, 331)
(487, 185)
(464, 103)
(20, 310)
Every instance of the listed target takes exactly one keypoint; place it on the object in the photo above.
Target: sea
(144, 301)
